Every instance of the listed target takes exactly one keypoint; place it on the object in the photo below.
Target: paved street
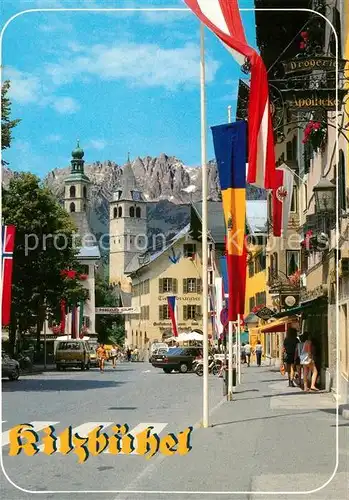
(271, 438)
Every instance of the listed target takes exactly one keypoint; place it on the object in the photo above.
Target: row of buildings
(301, 278)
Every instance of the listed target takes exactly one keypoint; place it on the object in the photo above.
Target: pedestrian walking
(102, 356)
(113, 355)
(248, 353)
(307, 360)
(290, 345)
(243, 353)
(259, 352)
(128, 354)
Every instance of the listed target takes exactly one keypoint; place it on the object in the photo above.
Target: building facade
(128, 228)
(76, 202)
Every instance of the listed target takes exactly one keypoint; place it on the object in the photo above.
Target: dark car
(10, 367)
(179, 359)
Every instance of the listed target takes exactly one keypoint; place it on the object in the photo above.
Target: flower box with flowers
(314, 134)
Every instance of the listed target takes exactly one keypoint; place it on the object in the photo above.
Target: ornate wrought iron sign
(308, 64)
(311, 100)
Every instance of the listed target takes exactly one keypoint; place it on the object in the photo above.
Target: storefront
(272, 336)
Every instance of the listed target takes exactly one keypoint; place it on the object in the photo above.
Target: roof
(89, 252)
(256, 215)
(128, 189)
(148, 258)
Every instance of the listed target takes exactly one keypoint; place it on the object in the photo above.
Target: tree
(43, 248)
(111, 329)
(6, 123)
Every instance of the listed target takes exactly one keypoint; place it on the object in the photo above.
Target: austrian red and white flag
(223, 18)
(282, 200)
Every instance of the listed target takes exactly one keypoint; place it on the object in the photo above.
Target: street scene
(175, 250)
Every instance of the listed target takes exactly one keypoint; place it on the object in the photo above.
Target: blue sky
(119, 82)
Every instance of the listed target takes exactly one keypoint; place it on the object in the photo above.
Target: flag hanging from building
(230, 146)
(282, 200)
(223, 18)
(171, 301)
(8, 244)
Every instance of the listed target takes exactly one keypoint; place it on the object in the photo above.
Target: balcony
(280, 284)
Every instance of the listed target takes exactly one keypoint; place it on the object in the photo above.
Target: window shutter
(199, 285)
(160, 313)
(197, 312)
(161, 285)
(185, 285)
(174, 285)
(185, 313)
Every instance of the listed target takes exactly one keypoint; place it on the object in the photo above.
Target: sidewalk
(270, 438)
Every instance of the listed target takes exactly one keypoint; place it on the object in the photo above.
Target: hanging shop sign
(308, 64)
(264, 313)
(311, 100)
(117, 310)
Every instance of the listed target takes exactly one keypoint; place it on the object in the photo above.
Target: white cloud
(29, 89)
(25, 88)
(146, 65)
(98, 144)
(53, 138)
(65, 105)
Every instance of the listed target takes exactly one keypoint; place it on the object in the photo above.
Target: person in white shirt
(259, 352)
(248, 353)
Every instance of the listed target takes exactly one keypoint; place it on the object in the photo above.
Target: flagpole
(230, 327)
(204, 225)
(238, 349)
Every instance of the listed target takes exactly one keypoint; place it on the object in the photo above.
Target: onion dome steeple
(77, 172)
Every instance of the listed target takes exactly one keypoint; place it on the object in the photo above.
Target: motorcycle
(214, 366)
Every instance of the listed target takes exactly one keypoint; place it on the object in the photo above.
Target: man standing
(248, 353)
(259, 351)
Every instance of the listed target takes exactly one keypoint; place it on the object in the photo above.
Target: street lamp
(325, 196)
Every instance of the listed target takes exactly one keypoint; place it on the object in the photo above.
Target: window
(86, 321)
(292, 261)
(189, 250)
(145, 312)
(337, 25)
(120, 211)
(146, 287)
(138, 212)
(342, 205)
(164, 312)
(191, 312)
(191, 285)
(132, 211)
(305, 199)
(84, 269)
(167, 285)
(72, 192)
(260, 262)
(261, 298)
(294, 200)
(84, 191)
(251, 268)
(252, 303)
(115, 212)
(72, 207)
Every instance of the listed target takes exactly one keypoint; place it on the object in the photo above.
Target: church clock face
(136, 196)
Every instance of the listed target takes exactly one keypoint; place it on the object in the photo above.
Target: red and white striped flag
(8, 244)
(223, 18)
(282, 199)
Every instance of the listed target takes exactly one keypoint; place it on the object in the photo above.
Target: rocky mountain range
(167, 184)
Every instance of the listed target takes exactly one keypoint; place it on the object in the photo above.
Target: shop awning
(299, 309)
(276, 326)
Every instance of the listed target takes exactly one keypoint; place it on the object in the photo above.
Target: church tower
(128, 228)
(77, 184)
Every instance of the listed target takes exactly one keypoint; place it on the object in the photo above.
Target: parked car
(157, 353)
(93, 354)
(73, 353)
(178, 359)
(10, 367)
